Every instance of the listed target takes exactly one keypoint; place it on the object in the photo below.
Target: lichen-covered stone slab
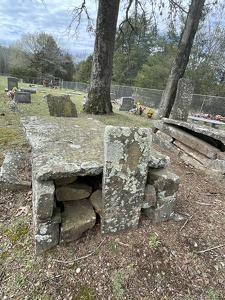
(46, 233)
(43, 198)
(78, 216)
(163, 181)
(166, 185)
(64, 147)
(61, 106)
(189, 139)
(183, 100)
(158, 160)
(206, 130)
(126, 155)
(11, 171)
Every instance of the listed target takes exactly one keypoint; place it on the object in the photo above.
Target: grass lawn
(11, 133)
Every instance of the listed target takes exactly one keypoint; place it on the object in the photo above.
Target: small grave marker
(12, 82)
(127, 103)
(22, 97)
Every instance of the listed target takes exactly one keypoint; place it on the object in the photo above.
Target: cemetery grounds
(171, 260)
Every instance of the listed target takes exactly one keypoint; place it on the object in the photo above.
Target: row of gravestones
(183, 100)
(127, 103)
(179, 111)
(19, 96)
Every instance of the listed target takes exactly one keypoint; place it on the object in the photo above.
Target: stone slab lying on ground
(188, 139)
(29, 90)
(11, 171)
(206, 130)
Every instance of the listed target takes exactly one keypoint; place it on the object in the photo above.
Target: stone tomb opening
(79, 199)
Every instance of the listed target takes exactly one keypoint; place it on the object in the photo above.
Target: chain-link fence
(149, 97)
(207, 104)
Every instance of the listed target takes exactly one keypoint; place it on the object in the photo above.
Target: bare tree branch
(177, 5)
(77, 13)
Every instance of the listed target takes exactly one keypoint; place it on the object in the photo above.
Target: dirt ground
(171, 260)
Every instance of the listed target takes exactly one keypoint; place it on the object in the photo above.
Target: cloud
(23, 17)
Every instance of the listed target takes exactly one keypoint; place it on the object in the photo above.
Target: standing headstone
(127, 103)
(12, 82)
(112, 97)
(22, 97)
(126, 157)
(183, 100)
(61, 106)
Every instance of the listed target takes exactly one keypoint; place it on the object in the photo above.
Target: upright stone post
(182, 103)
(126, 158)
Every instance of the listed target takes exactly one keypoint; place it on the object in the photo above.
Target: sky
(18, 17)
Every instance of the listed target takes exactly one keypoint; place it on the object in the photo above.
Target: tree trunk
(98, 100)
(182, 57)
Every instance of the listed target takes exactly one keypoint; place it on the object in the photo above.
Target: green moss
(8, 136)
(17, 230)
(84, 293)
(4, 255)
(18, 235)
(67, 109)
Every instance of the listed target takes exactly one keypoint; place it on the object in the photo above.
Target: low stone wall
(83, 171)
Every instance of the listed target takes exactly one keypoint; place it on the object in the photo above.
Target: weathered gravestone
(61, 106)
(112, 97)
(22, 97)
(183, 100)
(127, 103)
(126, 158)
(12, 82)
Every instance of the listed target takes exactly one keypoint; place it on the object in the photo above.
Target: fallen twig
(123, 244)
(210, 249)
(82, 257)
(186, 222)
(203, 203)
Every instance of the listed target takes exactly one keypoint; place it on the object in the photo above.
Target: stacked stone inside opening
(80, 201)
